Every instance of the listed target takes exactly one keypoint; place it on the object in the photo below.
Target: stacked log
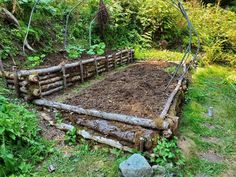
(36, 83)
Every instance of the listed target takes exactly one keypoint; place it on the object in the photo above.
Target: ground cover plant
(19, 131)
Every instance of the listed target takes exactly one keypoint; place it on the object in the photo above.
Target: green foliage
(35, 60)
(74, 51)
(18, 132)
(5, 52)
(97, 49)
(166, 152)
(70, 137)
(218, 36)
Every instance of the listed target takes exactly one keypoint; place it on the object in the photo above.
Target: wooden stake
(114, 60)
(96, 65)
(16, 81)
(81, 71)
(107, 63)
(63, 69)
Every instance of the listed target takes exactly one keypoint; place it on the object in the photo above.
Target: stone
(136, 166)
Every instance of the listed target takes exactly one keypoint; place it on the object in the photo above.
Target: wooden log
(131, 136)
(57, 68)
(33, 78)
(63, 69)
(51, 80)
(48, 76)
(49, 92)
(85, 134)
(147, 123)
(21, 83)
(106, 128)
(16, 81)
(170, 99)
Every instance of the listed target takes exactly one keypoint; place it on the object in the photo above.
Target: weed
(35, 60)
(74, 51)
(19, 131)
(97, 49)
(70, 137)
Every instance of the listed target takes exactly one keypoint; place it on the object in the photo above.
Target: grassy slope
(211, 86)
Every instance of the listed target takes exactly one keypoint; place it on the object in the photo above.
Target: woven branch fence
(37, 83)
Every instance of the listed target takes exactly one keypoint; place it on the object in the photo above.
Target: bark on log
(131, 136)
(170, 100)
(49, 92)
(57, 68)
(147, 123)
(87, 135)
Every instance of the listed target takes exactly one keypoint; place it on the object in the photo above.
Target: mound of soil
(138, 91)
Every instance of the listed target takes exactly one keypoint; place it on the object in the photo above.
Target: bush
(216, 28)
(21, 146)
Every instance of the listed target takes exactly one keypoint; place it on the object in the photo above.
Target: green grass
(82, 160)
(211, 86)
(154, 54)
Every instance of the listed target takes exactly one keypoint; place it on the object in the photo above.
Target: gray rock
(136, 166)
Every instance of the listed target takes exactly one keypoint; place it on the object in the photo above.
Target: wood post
(114, 60)
(16, 81)
(107, 63)
(96, 65)
(121, 58)
(63, 69)
(81, 71)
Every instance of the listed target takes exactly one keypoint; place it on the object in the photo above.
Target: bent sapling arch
(67, 22)
(13, 19)
(28, 26)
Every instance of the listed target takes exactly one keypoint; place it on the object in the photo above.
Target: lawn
(209, 145)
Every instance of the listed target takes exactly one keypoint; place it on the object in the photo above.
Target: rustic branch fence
(37, 83)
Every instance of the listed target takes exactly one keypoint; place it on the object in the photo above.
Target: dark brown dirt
(139, 91)
(53, 59)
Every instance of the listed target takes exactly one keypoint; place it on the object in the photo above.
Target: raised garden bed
(128, 109)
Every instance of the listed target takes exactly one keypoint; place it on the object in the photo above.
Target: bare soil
(53, 59)
(138, 91)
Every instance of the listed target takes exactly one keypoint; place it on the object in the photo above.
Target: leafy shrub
(70, 137)
(74, 51)
(216, 28)
(166, 152)
(97, 49)
(35, 60)
(5, 52)
(21, 146)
